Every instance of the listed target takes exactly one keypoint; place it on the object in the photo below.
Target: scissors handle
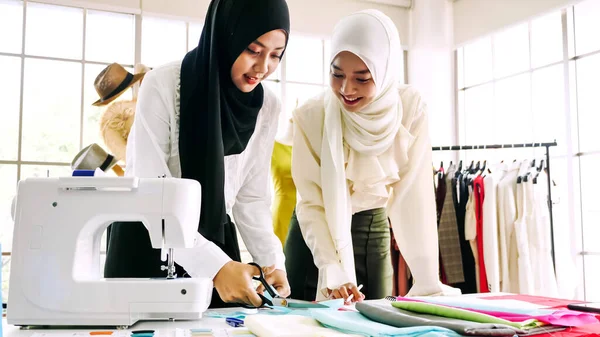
(261, 277)
(266, 285)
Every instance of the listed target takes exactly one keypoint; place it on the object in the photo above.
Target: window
(163, 41)
(586, 27)
(307, 66)
(511, 51)
(47, 89)
(478, 56)
(546, 40)
(11, 20)
(194, 32)
(42, 30)
(522, 79)
(585, 66)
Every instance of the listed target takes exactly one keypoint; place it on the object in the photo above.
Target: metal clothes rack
(516, 146)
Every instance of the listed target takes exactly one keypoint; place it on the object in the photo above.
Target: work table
(164, 328)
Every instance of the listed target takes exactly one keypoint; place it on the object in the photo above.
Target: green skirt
(371, 242)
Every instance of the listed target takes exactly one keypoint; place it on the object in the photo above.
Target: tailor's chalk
(201, 332)
(142, 331)
(97, 333)
(234, 322)
(142, 334)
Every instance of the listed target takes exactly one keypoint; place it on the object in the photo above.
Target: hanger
(538, 169)
(533, 163)
(477, 167)
(470, 169)
(460, 166)
(484, 165)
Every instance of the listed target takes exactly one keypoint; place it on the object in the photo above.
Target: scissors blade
(299, 304)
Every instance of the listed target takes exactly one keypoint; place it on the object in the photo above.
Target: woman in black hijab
(208, 118)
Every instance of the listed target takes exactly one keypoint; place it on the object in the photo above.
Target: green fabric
(442, 311)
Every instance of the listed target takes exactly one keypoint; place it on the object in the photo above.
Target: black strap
(121, 87)
(107, 161)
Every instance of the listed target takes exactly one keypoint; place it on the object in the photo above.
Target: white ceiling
(396, 3)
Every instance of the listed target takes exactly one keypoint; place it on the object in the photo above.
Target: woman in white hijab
(361, 155)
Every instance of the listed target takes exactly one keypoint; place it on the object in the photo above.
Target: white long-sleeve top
(491, 249)
(153, 150)
(411, 203)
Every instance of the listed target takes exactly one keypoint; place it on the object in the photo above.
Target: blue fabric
(355, 323)
(484, 305)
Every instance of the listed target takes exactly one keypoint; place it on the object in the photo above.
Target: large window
(46, 85)
(537, 82)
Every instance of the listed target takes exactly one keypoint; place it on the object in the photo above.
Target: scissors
(276, 299)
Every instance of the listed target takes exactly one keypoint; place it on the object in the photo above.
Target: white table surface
(164, 328)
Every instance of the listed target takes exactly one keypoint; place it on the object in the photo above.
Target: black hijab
(216, 118)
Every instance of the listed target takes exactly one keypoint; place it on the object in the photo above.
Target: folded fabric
(511, 306)
(383, 312)
(288, 326)
(444, 311)
(514, 310)
(355, 323)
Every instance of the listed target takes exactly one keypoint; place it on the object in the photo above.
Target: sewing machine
(55, 274)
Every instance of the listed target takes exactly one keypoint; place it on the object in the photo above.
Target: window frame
(573, 155)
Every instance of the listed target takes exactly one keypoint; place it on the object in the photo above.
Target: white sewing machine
(55, 274)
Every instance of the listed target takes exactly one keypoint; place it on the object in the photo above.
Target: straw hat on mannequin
(117, 119)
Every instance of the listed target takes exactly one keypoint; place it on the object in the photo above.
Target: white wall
(430, 65)
(477, 18)
(318, 17)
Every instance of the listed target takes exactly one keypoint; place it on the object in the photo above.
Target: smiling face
(351, 81)
(259, 60)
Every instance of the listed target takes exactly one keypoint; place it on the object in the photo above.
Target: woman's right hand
(234, 283)
(345, 291)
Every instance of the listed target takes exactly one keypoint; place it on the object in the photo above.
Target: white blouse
(410, 205)
(153, 150)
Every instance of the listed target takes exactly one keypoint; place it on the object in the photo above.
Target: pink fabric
(560, 317)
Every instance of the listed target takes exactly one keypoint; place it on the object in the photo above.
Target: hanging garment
(507, 215)
(491, 249)
(449, 240)
(400, 268)
(440, 193)
(460, 198)
(284, 200)
(540, 238)
(471, 233)
(479, 194)
(523, 269)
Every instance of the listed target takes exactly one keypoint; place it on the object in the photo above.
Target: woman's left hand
(278, 279)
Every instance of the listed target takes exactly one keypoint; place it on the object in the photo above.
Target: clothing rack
(516, 146)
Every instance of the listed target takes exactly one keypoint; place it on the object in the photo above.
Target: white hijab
(369, 134)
